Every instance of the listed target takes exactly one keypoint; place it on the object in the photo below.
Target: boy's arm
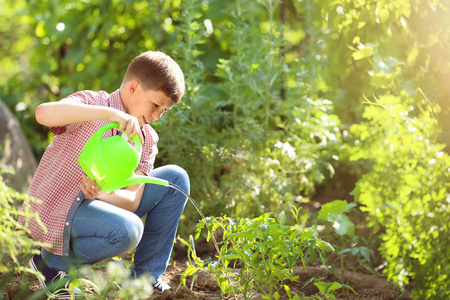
(128, 198)
(55, 114)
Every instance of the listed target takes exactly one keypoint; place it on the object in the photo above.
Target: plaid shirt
(58, 177)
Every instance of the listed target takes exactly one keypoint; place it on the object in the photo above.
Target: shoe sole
(44, 286)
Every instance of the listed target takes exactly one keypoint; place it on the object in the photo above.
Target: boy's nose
(158, 115)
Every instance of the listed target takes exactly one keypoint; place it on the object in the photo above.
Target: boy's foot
(160, 285)
(54, 280)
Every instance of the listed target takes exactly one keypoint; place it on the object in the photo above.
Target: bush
(407, 191)
(254, 135)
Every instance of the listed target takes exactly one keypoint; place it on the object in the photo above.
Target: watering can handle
(111, 125)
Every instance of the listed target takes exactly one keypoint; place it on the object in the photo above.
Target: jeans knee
(132, 232)
(181, 177)
(136, 231)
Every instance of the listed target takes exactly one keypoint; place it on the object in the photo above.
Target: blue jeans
(101, 230)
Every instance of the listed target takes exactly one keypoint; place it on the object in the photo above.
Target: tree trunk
(15, 153)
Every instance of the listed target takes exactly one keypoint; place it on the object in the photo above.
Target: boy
(84, 224)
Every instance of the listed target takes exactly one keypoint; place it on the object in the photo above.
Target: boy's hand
(90, 188)
(128, 124)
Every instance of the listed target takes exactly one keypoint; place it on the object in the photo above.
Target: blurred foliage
(395, 46)
(273, 88)
(408, 191)
(113, 281)
(16, 245)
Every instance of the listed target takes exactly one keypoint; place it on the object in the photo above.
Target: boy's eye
(156, 105)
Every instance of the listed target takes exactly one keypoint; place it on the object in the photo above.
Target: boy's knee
(181, 177)
(135, 231)
(131, 232)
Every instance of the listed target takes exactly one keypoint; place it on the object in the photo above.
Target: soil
(366, 285)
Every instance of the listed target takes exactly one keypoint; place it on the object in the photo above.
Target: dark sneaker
(160, 285)
(54, 280)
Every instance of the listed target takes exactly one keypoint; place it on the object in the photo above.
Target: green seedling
(265, 250)
(350, 256)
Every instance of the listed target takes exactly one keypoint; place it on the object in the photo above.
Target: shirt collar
(116, 101)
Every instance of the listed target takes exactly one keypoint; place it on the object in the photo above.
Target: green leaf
(246, 233)
(292, 259)
(191, 270)
(334, 207)
(342, 224)
(344, 251)
(325, 245)
(277, 272)
(383, 14)
(308, 282)
(281, 217)
(77, 283)
(334, 286)
(321, 286)
(365, 252)
(362, 53)
(229, 256)
(40, 29)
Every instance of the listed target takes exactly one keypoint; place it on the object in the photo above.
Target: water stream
(174, 186)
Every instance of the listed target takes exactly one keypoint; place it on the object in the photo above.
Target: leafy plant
(326, 289)
(407, 191)
(264, 249)
(351, 255)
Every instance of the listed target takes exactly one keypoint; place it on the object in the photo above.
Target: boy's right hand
(90, 188)
(128, 124)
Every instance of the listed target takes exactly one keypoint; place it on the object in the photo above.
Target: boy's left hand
(90, 188)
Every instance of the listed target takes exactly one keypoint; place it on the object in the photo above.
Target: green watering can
(112, 161)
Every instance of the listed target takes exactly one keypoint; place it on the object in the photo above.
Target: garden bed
(205, 287)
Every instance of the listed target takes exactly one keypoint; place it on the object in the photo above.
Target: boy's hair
(159, 72)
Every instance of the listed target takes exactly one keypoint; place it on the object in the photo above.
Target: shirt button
(78, 199)
(67, 223)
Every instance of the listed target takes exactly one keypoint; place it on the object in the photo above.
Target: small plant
(113, 282)
(350, 254)
(264, 249)
(326, 289)
(76, 288)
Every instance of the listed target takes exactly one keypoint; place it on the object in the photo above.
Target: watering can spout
(145, 179)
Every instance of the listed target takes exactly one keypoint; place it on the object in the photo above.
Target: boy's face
(147, 106)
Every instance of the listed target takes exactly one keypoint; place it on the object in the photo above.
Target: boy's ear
(133, 86)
